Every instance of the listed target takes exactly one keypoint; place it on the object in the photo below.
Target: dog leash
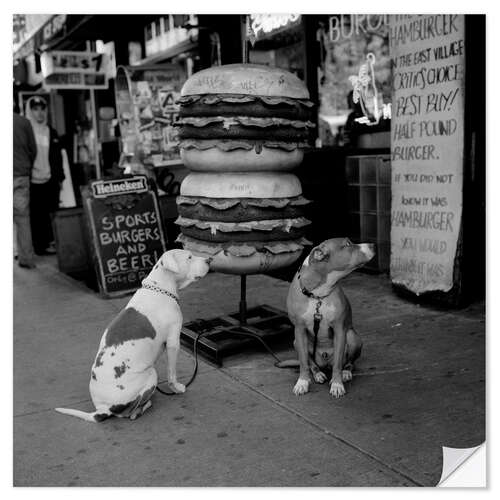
(201, 323)
(154, 288)
(317, 314)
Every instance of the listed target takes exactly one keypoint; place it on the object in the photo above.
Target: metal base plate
(224, 339)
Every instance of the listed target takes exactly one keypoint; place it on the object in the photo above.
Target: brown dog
(321, 314)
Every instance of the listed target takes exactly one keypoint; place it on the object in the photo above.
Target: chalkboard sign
(125, 226)
(427, 149)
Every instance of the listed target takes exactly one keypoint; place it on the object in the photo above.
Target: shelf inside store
(369, 201)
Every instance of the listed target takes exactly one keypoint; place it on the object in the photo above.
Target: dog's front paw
(320, 377)
(177, 387)
(337, 389)
(346, 375)
(301, 387)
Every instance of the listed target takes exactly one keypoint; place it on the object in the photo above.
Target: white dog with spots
(123, 376)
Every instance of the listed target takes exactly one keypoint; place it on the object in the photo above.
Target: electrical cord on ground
(195, 355)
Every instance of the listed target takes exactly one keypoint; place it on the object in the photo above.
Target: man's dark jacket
(55, 157)
(24, 146)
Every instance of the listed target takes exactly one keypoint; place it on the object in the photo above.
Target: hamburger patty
(292, 110)
(243, 236)
(243, 248)
(239, 213)
(217, 131)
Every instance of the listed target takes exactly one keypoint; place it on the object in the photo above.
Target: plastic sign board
(125, 230)
(101, 189)
(427, 149)
(74, 70)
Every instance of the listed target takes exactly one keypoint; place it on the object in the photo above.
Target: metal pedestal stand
(232, 333)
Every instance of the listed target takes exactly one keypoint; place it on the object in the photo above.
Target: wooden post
(98, 173)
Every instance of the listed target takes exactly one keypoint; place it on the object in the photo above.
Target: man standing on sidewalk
(46, 177)
(24, 156)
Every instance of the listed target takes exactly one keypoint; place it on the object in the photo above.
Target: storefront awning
(56, 26)
(63, 31)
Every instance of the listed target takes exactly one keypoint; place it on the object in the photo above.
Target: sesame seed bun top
(250, 79)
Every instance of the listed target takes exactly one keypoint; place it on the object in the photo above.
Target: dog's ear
(318, 254)
(169, 263)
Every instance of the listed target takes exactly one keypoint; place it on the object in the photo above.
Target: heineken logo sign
(102, 189)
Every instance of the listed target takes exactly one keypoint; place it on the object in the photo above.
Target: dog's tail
(96, 416)
(288, 363)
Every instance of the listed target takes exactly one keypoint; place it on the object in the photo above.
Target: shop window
(354, 79)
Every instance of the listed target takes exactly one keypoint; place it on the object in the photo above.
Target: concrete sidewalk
(419, 386)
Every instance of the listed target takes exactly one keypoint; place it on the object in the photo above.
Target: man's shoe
(26, 266)
(50, 250)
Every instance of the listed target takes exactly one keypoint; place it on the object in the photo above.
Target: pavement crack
(45, 410)
(323, 430)
(381, 372)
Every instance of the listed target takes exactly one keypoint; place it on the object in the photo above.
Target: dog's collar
(154, 288)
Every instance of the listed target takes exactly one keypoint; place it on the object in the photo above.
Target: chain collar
(154, 288)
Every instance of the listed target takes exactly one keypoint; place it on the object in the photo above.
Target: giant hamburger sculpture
(243, 127)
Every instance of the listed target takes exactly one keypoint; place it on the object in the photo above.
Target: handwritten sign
(427, 138)
(126, 231)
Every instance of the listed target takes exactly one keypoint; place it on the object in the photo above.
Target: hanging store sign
(427, 142)
(74, 70)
